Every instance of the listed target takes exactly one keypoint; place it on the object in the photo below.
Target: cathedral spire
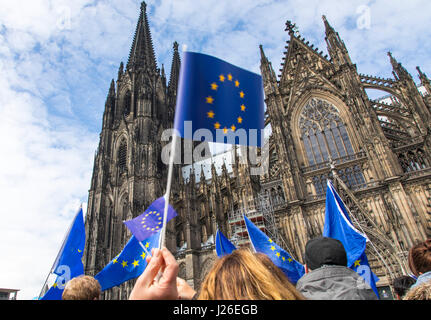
(112, 89)
(336, 47)
(202, 175)
(175, 70)
(142, 51)
(109, 105)
(163, 71)
(110, 99)
(120, 70)
(213, 172)
(424, 80)
(267, 71)
(400, 73)
(291, 28)
(328, 28)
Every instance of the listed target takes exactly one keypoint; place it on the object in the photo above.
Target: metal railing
(326, 165)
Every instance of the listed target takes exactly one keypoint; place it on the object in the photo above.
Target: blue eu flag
(68, 264)
(263, 244)
(128, 264)
(339, 226)
(223, 245)
(215, 95)
(55, 292)
(151, 221)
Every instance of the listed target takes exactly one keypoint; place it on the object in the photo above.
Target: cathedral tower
(128, 172)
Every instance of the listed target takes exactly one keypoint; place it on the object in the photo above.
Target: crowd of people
(245, 275)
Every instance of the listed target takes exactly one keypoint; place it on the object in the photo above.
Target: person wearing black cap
(327, 275)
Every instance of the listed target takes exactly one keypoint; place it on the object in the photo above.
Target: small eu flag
(55, 292)
(68, 264)
(339, 226)
(215, 95)
(151, 221)
(128, 264)
(223, 245)
(263, 244)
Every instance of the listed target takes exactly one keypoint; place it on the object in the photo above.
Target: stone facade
(324, 126)
(377, 152)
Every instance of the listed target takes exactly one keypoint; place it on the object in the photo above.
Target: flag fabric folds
(220, 97)
(55, 292)
(68, 264)
(339, 226)
(223, 245)
(151, 221)
(128, 264)
(263, 244)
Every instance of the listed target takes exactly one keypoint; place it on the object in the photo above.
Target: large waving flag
(151, 221)
(129, 263)
(339, 226)
(263, 244)
(223, 245)
(68, 263)
(220, 97)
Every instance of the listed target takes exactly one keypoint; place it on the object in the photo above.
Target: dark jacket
(334, 283)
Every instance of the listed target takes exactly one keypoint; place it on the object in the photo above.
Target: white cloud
(46, 162)
(44, 174)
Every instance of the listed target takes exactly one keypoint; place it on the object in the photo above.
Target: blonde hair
(82, 288)
(243, 275)
(420, 292)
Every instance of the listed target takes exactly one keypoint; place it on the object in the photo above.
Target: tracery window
(351, 176)
(122, 156)
(324, 136)
(413, 160)
(127, 103)
(323, 133)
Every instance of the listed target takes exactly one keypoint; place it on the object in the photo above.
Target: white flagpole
(162, 239)
(145, 249)
(248, 232)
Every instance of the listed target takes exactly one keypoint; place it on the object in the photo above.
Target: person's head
(82, 288)
(420, 292)
(402, 285)
(243, 275)
(324, 251)
(420, 258)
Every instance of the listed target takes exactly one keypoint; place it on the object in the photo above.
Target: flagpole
(59, 251)
(162, 239)
(375, 249)
(246, 227)
(145, 249)
(368, 239)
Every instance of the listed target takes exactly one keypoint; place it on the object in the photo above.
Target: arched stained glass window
(323, 133)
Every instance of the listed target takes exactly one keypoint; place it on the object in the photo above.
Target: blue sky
(57, 59)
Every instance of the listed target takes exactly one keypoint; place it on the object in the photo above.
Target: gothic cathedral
(324, 126)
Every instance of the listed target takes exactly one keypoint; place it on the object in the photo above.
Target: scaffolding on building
(262, 214)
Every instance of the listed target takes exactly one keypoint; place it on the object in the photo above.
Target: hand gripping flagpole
(162, 239)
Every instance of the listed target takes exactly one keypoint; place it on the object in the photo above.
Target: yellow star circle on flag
(144, 221)
(210, 100)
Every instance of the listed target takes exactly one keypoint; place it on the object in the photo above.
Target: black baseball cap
(324, 251)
